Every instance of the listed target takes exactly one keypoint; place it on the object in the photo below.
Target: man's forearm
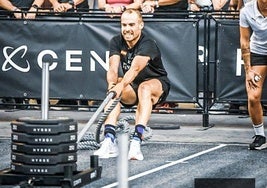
(39, 3)
(112, 78)
(7, 5)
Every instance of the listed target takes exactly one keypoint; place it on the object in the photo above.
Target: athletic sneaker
(259, 143)
(108, 149)
(135, 151)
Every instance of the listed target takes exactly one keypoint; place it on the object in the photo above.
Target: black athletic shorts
(258, 59)
(165, 86)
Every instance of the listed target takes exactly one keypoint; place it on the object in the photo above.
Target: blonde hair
(132, 11)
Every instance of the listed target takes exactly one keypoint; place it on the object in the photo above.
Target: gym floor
(180, 152)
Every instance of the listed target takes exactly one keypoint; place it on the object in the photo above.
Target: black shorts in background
(258, 59)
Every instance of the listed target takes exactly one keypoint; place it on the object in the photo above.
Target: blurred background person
(118, 6)
(253, 43)
(241, 3)
(70, 5)
(150, 6)
(208, 5)
(30, 8)
(233, 5)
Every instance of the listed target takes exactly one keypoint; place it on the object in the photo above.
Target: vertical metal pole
(94, 161)
(122, 161)
(45, 90)
(206, 72)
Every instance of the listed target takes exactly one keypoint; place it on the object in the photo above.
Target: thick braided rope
(89, 142)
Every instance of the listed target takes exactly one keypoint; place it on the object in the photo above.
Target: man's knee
(144, 90)
(254, 99)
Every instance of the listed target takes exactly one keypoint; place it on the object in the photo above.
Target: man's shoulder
(116, 39)
(249, 5)
(248, 8)
(146, 38)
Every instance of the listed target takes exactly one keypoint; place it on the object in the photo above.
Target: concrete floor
(180, 150)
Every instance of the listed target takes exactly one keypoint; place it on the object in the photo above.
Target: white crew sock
(259, 129)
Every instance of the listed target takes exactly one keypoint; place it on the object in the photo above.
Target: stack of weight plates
(43, 147)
